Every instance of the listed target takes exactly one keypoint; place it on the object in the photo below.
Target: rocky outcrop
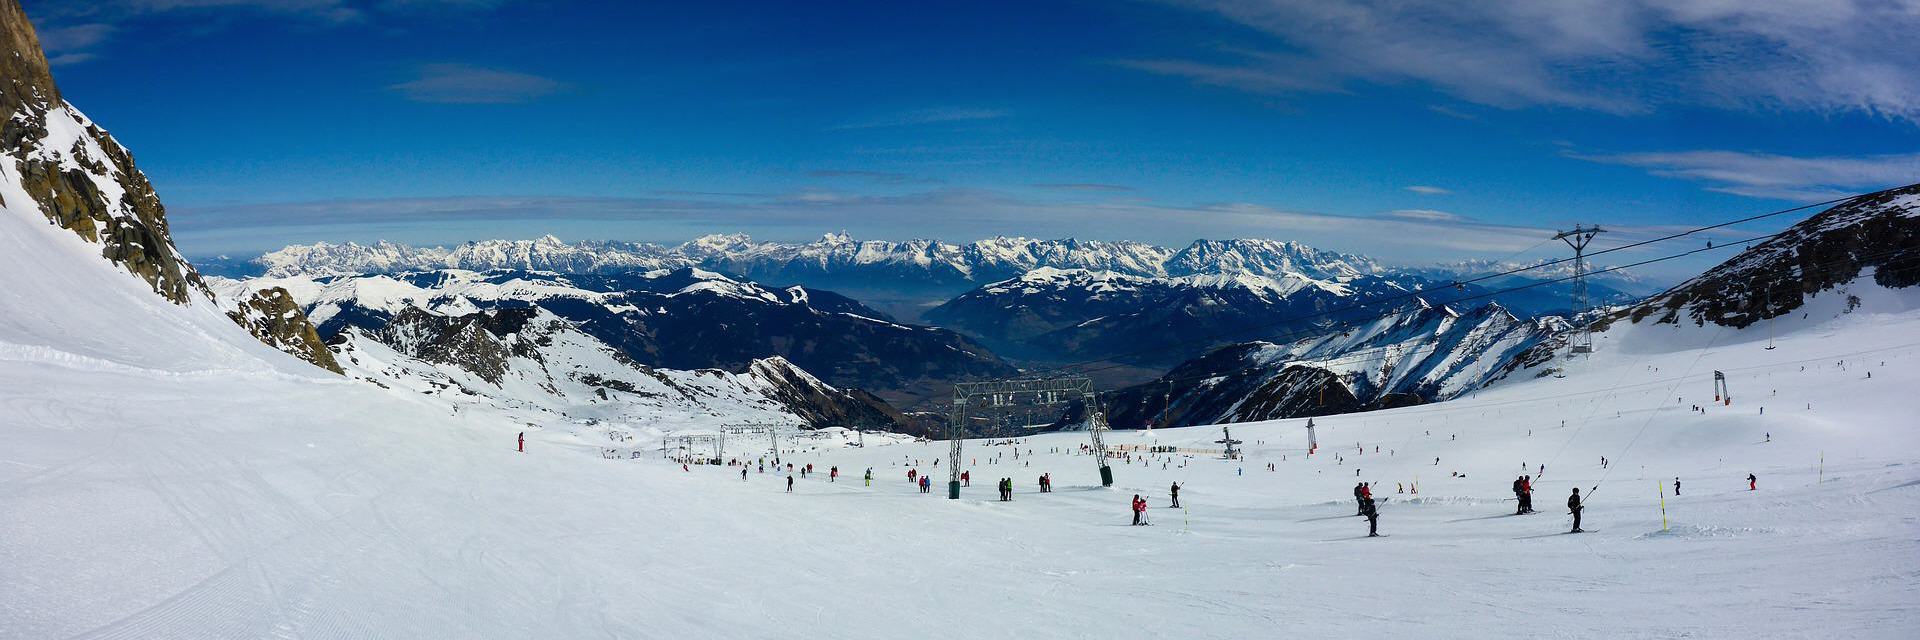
(275, 318)
(1880, 232)
(82, 179)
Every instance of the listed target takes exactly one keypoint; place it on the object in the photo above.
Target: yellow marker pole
(1661, 488)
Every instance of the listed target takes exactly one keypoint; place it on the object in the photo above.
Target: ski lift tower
(1226, 438)
(1001, 395)
(1582, 340)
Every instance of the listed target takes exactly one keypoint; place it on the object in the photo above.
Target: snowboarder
(1752, 482)
(1574, 507)
(1175, 491)
(1372, 512)
(1139, 510)
(523, 442)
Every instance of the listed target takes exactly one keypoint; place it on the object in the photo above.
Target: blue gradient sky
(1410, 132)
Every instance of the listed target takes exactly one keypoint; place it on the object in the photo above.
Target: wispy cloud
(74, 32)
(875, 177)
(925, 116)
(1080, 186)
(1427, 215)
(468, 84)
(1777, 177)
(1615, 56)
(1428, 190)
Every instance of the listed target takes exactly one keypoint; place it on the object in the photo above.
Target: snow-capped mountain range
(1075, 314)
(678, 319)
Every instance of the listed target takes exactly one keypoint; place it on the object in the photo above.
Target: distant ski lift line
(1078, 366)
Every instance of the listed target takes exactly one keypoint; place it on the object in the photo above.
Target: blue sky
(1409, 131)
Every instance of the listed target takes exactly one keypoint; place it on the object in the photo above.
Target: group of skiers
(1523, 493)
(1006, 489)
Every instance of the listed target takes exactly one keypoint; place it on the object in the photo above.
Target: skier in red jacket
(523, 442)
(1139, 510)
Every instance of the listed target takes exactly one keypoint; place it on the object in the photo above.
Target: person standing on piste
(1574, 507)
(1175, 491)
(1372, 512)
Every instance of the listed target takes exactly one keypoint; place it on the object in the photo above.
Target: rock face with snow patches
(82, 180)
(1425, 354)
(680, 319)
(1879, 234)
(56, 161)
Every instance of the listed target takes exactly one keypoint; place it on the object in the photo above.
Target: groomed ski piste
(164, 476)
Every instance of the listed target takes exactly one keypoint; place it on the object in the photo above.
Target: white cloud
(1761, 175)
(1615, 56)
(468, 84)
(1428, 215)
(1428, 190)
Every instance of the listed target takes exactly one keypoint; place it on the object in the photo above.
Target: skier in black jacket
(1519, 497)
(1176, 495)
(1372, 512)
(1362, 502)
(1574, 507)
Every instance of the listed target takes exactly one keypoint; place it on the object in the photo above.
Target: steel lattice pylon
(1024, 391)
(1582, 340)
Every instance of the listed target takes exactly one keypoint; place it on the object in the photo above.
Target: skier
(1360, 503)
(1676, 487)
(1752, 482)
(743, 474)
(1519, 497)
(789, 483)
(1526, 494)
(1372, 512)
(966, 478)
(1574, 507)
(1139, 510)
(1176, 495)
(523, 442)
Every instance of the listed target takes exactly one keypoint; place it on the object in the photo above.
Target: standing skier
(1360, 504)
(743, 473)
(523, 442)
(1139, 510)
(1752, 482)
(1574, 507)
(966, 478)
(1676, 487)
(789, 482)
(1176, 494)
(1519, 497)
(1526, 494)
(1372, 512)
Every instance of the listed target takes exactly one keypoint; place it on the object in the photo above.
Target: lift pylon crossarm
(1009, 392)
